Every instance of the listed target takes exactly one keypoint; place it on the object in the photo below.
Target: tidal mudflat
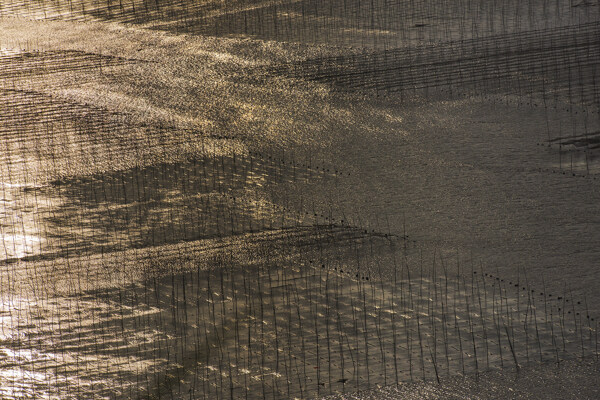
(299, 199)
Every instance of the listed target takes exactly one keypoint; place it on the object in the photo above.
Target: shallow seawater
(314, 327)
(20, 235)
(290, 200)
(147, 206)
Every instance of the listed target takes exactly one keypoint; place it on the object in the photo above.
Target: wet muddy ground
(295, 200)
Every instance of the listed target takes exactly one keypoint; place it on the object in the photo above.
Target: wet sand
(249, 203)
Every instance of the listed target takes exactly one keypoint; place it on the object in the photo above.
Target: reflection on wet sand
(140, 207)
(298, 327)
(20, 235)
(310, 209)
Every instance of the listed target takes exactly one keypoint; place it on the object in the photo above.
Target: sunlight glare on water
(19, 234)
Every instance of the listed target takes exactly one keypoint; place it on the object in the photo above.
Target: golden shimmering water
(297, 199)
